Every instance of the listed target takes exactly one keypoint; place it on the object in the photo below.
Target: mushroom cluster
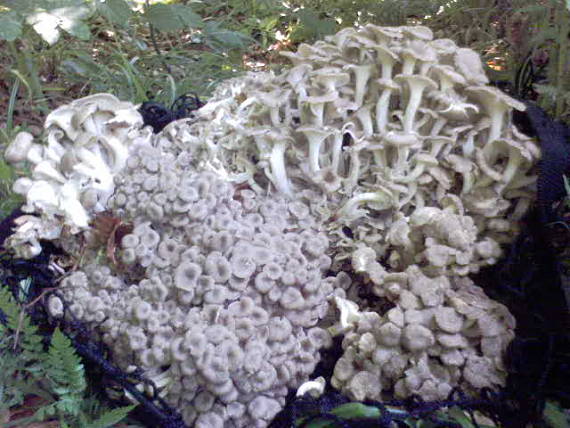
(382, 120)
(72, 175)
(442, 332)
(216, 293)
(381, 152)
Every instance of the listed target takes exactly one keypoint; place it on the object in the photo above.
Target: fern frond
(64, 367)
(18, 331)
(111, 417)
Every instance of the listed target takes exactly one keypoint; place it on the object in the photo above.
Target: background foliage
(57, 50)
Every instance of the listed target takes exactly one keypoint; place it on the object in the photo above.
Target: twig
(155, 43)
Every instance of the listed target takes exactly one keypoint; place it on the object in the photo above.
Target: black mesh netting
(158, 116)
(532, 281)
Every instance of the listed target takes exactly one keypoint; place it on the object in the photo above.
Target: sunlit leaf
(116, 11)
(10, 26)
(163, 17)
(187, 16)
(49, 21)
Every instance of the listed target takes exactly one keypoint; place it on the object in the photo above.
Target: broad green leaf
(116, 11)
(163, 17)
(80, 30)
(187, 16)
(10, 26)
(221, 39)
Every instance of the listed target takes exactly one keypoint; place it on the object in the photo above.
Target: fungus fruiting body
(381, 156)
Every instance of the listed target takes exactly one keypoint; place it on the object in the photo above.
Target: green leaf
(555, 417)
(111, 417)
(356, 410)
(163, 17)
(10, 26)
(48, 22)
(220, 39)
(187, 16)
(116, 11)
(65, 369)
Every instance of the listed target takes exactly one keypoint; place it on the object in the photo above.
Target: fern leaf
(64, 367)
(17, 321)
(111, 417)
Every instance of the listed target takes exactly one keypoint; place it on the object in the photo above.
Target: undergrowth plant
(44, 384)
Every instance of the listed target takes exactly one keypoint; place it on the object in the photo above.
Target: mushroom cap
(399, 139)
(468, 62)
(489, 95)
(416, 78)
(426, 158)
(383, 34)
(444, 46)
(330, 74)
(17, 150)
(418, 32)
(419, 50)
(388, 84)
(385, 54)
(459, 163)
(448, 72)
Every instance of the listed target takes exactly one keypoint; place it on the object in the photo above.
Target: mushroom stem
(382, 110)
(336, 150)
(277, 162)
(361, 75)
(316, 137)
(417, 85)
(363, 115)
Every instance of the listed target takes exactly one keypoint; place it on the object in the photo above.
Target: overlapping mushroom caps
(442, 332)
(380, 141)
(72, 175)
(382, 120)
(217, 294)
(411, 149)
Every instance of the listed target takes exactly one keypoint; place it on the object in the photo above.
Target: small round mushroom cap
(209, 420)
(263, 408)
(448, 320)
(292, 299)
(416, 337)
(186, 275)
(55, 306)
(365, 385)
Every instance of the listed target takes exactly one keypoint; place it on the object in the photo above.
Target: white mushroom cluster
(72, 175)
(217, 294)
(381, 151)
(382, 120)
(443, 332)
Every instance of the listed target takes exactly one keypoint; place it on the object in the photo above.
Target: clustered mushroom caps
(381, 121)
(443, 332)
(72, 175)
(218, 293)
(380, 131)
